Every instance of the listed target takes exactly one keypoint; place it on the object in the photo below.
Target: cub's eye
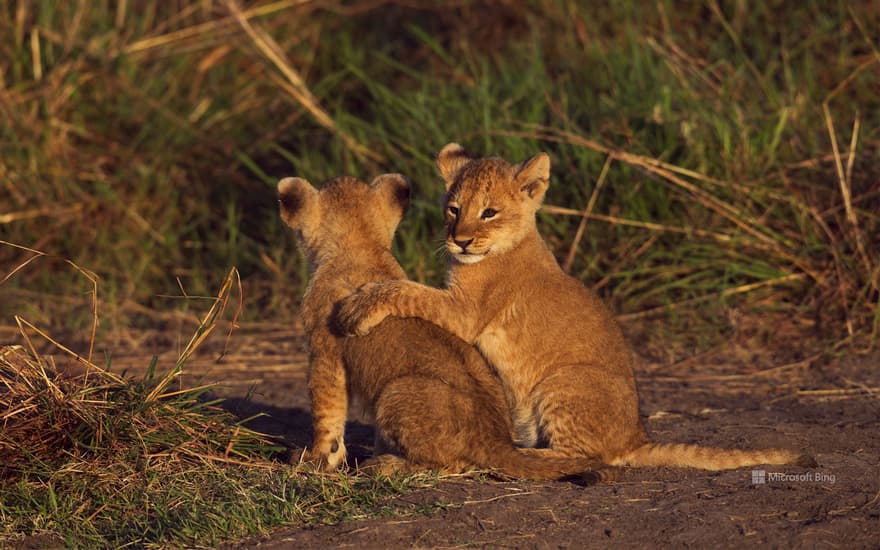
(488, 213)
(452, 210)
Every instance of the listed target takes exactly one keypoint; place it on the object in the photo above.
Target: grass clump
(92, 459)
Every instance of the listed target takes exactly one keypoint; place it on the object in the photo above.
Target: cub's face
(490, 204)
(345, 214)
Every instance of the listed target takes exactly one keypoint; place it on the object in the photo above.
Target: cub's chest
(501, 347)
(502, 315)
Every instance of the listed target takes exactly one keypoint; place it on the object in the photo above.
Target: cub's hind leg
(595, 420)
(434, 424)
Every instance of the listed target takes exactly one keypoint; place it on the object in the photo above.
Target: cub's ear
(296, 198)
(394, 188)
(450, 160)
(533, 176)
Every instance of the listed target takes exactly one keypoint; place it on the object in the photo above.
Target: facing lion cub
(433, 397)
(563, 360)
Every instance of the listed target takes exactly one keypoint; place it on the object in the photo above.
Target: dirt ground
(740, 395)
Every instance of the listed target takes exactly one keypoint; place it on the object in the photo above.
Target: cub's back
(414, 348)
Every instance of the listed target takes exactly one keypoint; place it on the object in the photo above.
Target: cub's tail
(545, 464)
(683, 455)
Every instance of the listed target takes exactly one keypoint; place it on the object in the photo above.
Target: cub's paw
(326, 457)
(386, 465)
(359, 313)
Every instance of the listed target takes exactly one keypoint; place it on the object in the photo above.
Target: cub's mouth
(465, 255)
(468, 257)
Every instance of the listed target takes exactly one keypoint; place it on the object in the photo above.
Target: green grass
(199, 506)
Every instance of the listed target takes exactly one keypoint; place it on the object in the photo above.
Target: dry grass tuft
(89, 458)
(81, 413)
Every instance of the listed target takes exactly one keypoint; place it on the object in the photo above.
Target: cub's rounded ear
(450, 160)
(533, 176)
(295, 198)
(395, 188)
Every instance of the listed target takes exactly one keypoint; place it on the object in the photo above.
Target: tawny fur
(563, 360)
(432, 397)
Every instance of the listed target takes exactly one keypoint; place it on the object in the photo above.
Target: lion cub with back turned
(433, 398)
(557, 348)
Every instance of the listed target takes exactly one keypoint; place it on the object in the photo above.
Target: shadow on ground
(293, 427)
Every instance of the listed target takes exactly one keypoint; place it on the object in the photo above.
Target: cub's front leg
(329, 396)
(359, 313)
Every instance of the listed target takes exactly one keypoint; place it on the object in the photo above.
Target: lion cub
(433, 397)
(557, 348)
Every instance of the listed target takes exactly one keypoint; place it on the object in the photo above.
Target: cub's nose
(462, 244)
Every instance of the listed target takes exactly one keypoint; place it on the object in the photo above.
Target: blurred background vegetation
(725, 153)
